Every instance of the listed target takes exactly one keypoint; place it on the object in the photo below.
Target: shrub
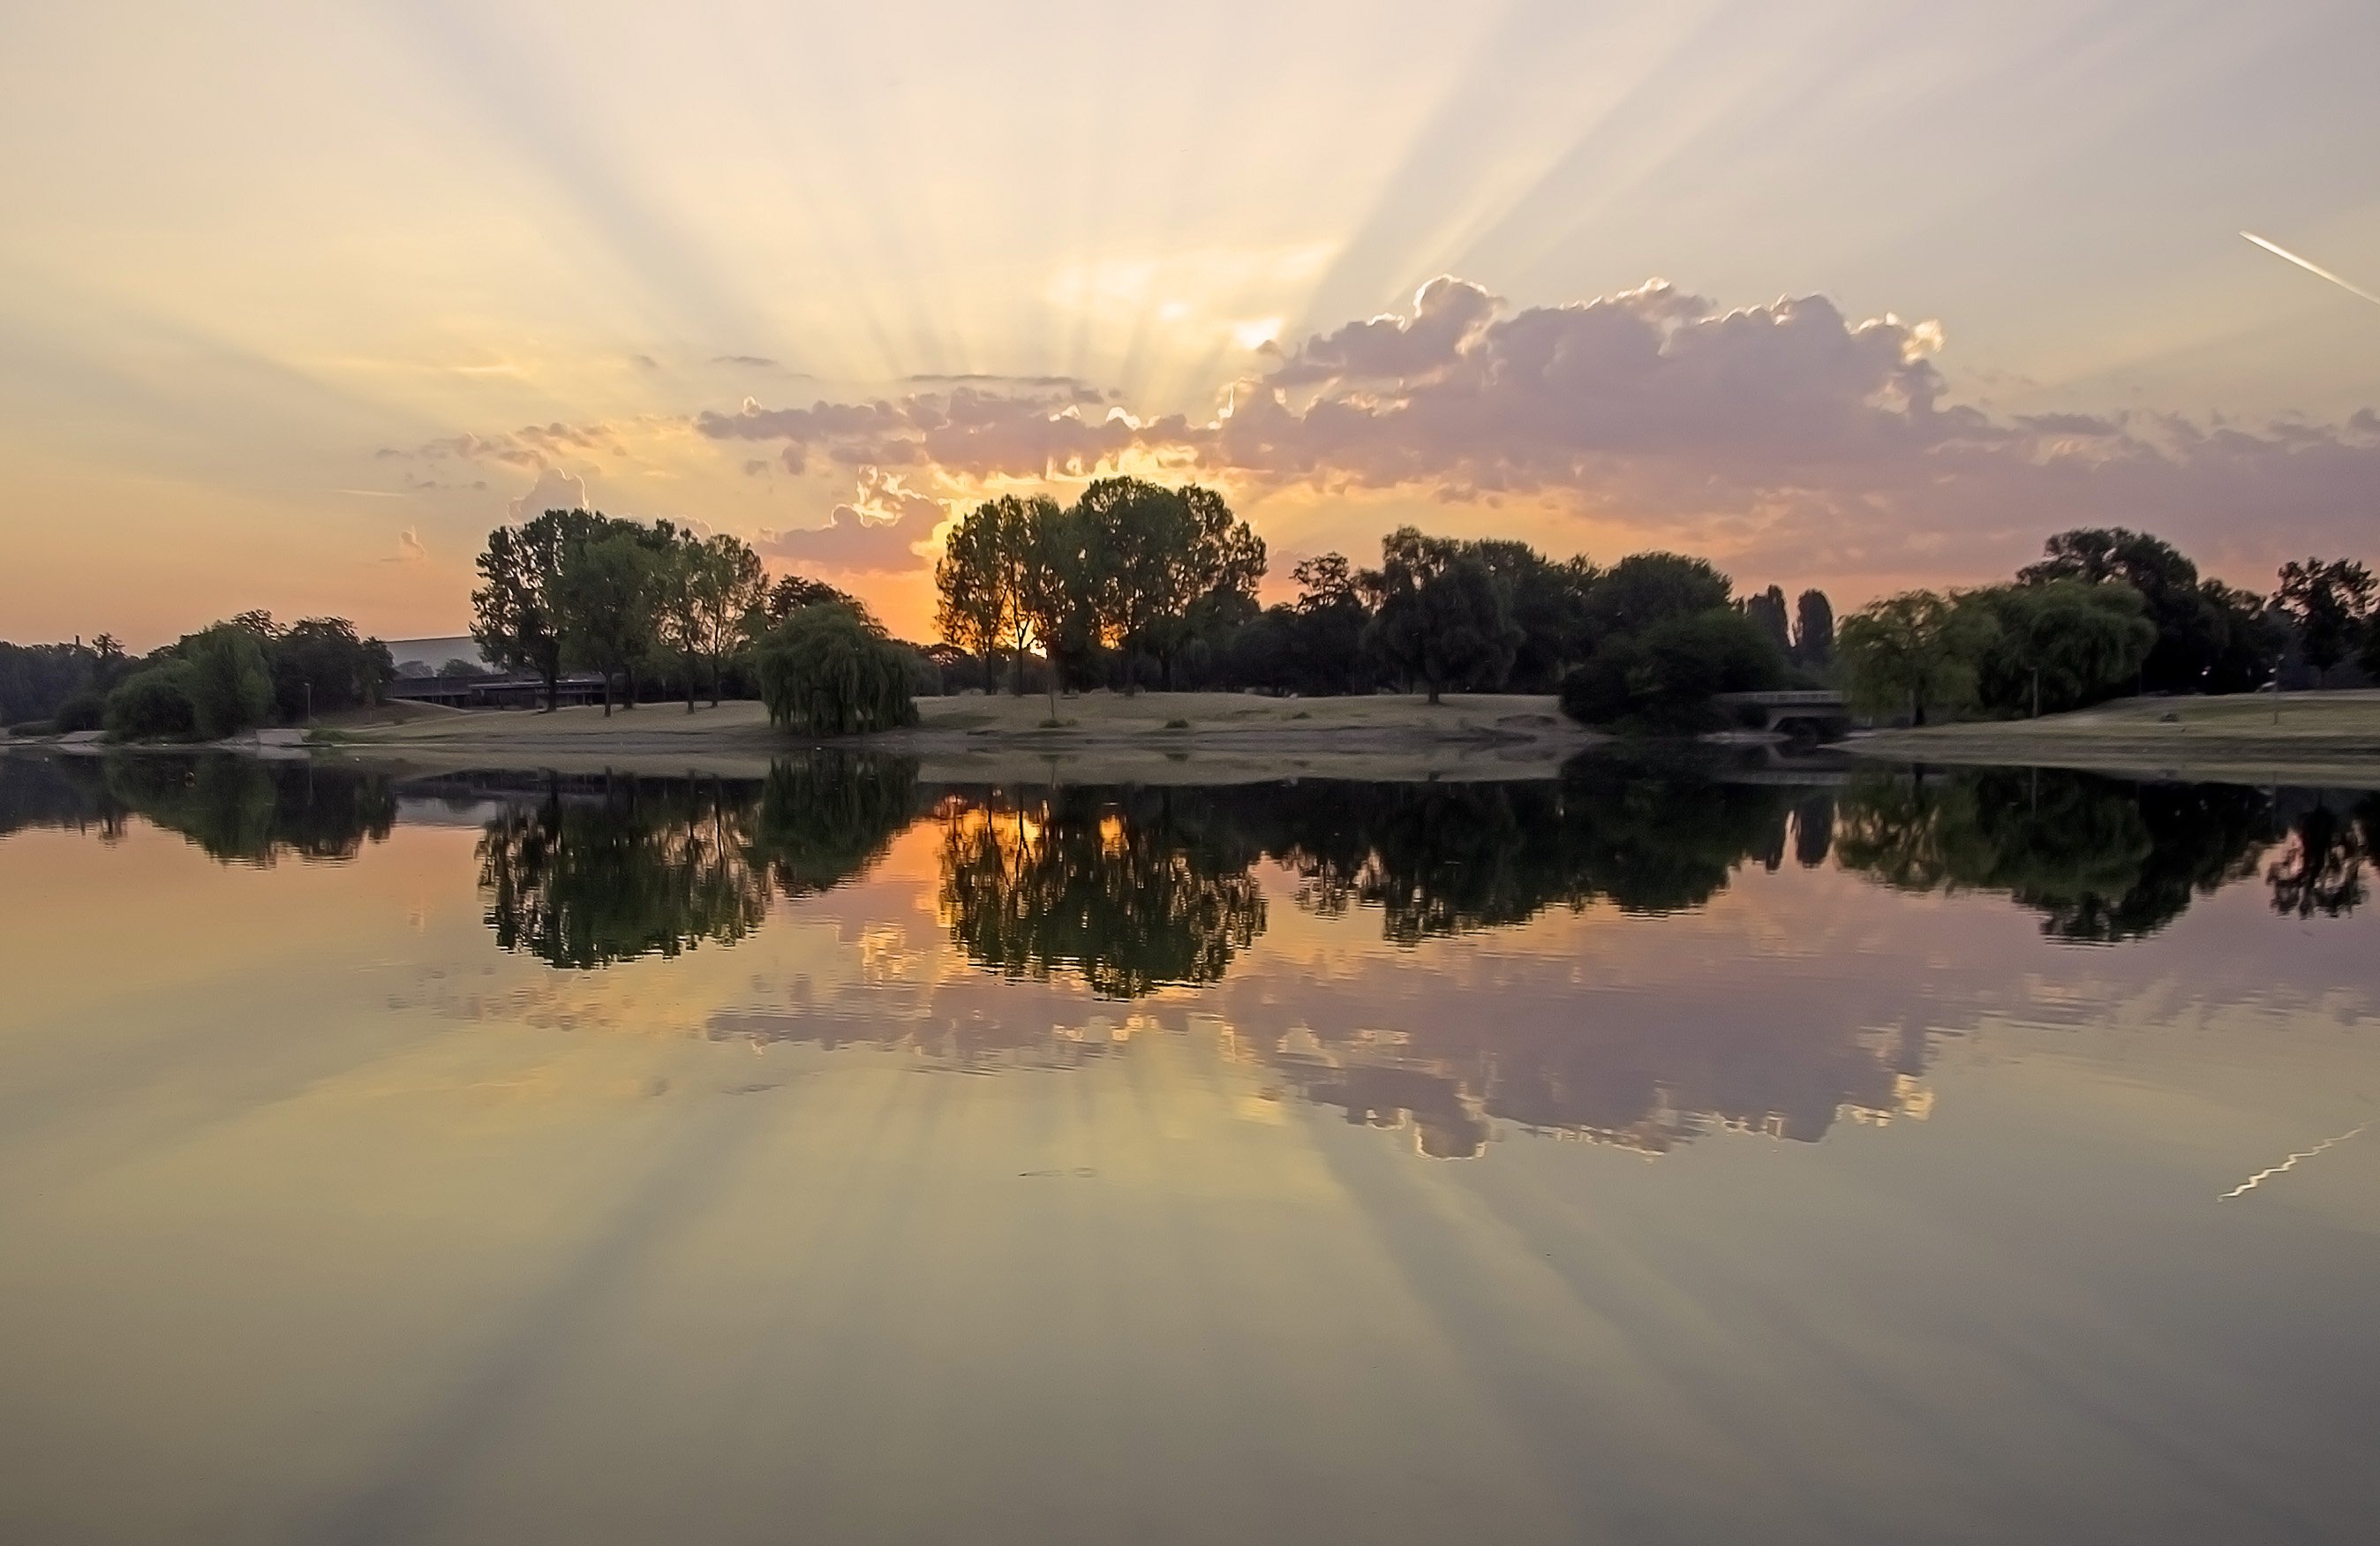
(85, 711)
(151, 704)
(34, 727)
(825, 672)
(1664, 679)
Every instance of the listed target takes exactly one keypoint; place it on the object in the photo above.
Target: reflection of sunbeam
(2316, 269)
(2257, 1180)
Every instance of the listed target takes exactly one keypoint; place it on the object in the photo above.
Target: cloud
(876, 533)
(1789, 438)
(750, 362)
(556, 489)
(409, 548)
(1034, 427)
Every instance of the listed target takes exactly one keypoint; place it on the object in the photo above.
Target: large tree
(1154, 554)
(2061, 645)
(709, 596)
(516, 611)
(1442, 617)
(975, 599)
(1767, 612)
(607, 597)
(2198, 629)
(1647, 588)
(2331, 604)
(1913, 651)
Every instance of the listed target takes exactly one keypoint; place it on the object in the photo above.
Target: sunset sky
(297, 302)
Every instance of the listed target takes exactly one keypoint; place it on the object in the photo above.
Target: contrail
(2253, 1182)
(2316, 269)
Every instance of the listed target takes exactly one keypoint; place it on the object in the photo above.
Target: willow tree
(824, 672)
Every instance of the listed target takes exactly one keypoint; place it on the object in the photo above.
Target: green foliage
(87, 710)
(1911, 652)
(226, 677)
(2207, 638)
(1663, 681)
(1549, 606)
(152, 704)
(608, 594)
(1442, 617)
(2066, 643)
(825, 672)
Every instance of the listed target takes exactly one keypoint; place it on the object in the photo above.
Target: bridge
(1818, 708)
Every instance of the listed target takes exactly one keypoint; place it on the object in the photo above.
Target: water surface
(1661, 1153)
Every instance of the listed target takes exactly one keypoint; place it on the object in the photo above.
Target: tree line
(581, 591)
(2105, 611)
(1135, 584)
(227, 679)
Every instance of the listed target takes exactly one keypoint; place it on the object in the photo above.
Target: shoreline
(2330, 739)
(2325, 738)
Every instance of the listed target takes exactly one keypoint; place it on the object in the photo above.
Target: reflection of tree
(2101, 859)
(1451, 859)
(1126, 889)
(627, 866)
(2321, 869)
(826, 816)
(236, 809)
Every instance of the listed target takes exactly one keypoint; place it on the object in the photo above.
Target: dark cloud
(751, 361)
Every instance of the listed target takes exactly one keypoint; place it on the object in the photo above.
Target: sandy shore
(2295, 737)
(1150, 737)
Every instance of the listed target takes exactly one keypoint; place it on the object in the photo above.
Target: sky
(297, 301)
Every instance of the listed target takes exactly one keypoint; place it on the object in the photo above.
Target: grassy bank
(2293, 737)
(1148, 738)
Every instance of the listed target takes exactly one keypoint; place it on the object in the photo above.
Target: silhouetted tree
(1442, 617)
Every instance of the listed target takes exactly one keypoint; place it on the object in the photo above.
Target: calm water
(1662, 1154)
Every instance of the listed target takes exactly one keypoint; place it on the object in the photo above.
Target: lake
(1674, 1151)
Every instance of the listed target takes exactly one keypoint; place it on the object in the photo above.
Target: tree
(1646, 587)
(1911, 651)
(1054, 590)
(1154, 553)
(793, 591)
(731, 589)
(225, 676)
(1549, 606)
(977, 602)
(1322, 636)
(2331, 604)
(1813, 630)
(824, 671)
(710, 592)
(516, 611)
(2062, 644)
(2188, 613)
(318, 664)
(606, 595)
(1767, 612)
(152, 702)
(1442, 617)
(1665, 678)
